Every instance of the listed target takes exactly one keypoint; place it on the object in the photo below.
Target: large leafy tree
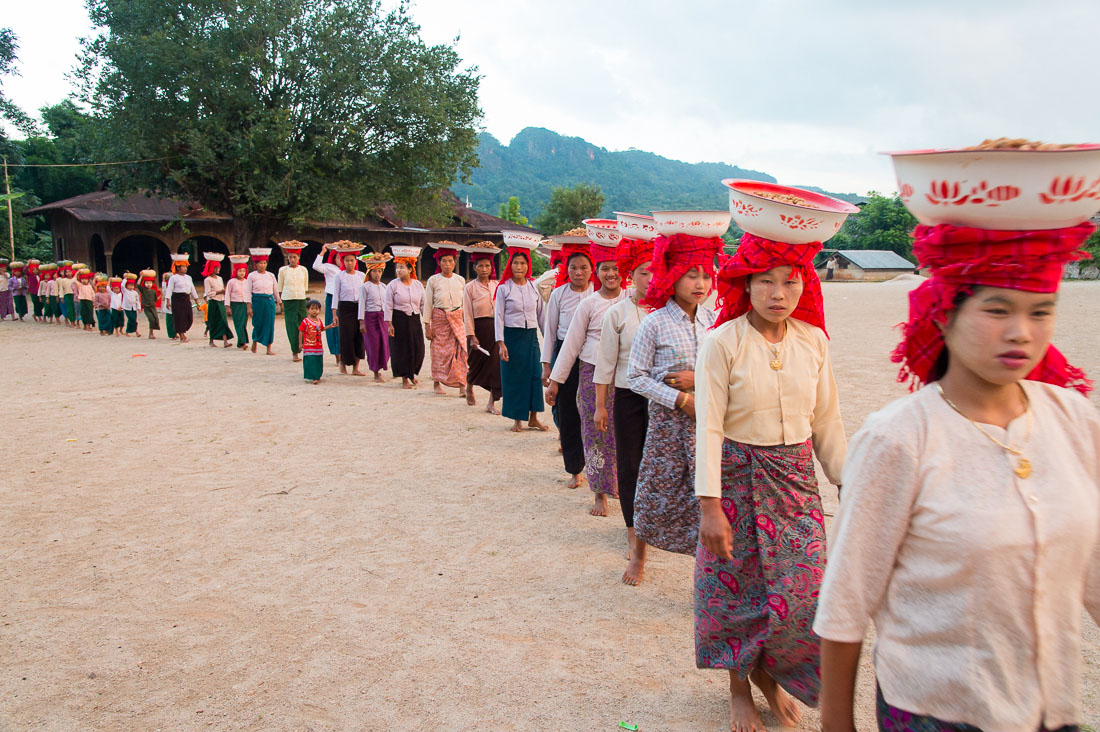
(882, 223)
(568, 207)
(510, 211)
(9, 111)
(279, 111)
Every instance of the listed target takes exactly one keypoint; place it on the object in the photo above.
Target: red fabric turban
(490, 257)
(960, 258)
(514, 252)
(211, 267)
(755, 255)
(567, 252)
(672, 258)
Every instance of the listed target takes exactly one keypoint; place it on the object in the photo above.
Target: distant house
(867, 265)
(114, 235)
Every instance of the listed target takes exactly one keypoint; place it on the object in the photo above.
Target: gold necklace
(777, 351)
(1023, 465)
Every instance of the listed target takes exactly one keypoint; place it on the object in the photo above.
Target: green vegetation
(279, 111)
(568, 207)
(510, 211)
(882, 223)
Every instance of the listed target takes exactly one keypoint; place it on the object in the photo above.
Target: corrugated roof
(106, 206)
(875, 259)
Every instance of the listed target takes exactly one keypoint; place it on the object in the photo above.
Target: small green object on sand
(631, 727)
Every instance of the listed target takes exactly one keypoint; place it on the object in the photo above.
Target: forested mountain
(537, 160)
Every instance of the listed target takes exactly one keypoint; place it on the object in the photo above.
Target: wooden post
(11, 227)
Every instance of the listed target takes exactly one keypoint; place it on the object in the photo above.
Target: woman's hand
(250, 311)
(714, 528)
(681, 380)
(688, 407)
(600, 417)
(503, 351)
(390, 329)
(546, 374)
(552, 393)
(471, 343)
(362, 327)
(428, 331)
(335, 319)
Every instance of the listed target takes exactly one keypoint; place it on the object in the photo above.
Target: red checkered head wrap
(633, 253)
(568, 250)
(514, 252)
(211, 267)
(756, 255)
(490, 257)
(961, 258)
(673, 257)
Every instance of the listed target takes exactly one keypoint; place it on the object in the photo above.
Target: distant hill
(537, 160)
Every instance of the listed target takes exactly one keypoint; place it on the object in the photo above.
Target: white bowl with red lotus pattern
(524, 239)
(1000, 189)
(604, 232)
(636, 226)
(705, 224)
(786, 214)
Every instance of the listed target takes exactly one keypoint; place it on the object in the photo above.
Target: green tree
(510, 211)
(279, 111)
(882, 223)
(9, 111)
(568, 207)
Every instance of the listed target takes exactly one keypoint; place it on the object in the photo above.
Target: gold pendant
(1023, 467)
(776, 364)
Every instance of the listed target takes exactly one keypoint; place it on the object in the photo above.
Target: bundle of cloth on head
(213, 263)
(755, 255)
(513, 252)
(485, 251)
(445, 249)
(673, 257)
(375, 260)
(239, 262)
(568, 251)
(407, 255)
(338, 249)
(961, 258)
(631, 254)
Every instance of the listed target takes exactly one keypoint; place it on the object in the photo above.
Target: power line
(84, 165)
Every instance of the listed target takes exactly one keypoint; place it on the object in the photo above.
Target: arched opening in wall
(195, 246)
(137, 252)
(97, 254)
(276, 258)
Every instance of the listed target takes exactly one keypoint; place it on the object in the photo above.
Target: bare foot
(316, 381)
(492, 409)
(415, 381)
(343, 370)
(357, 372)
(296, 358)
(406, 384)
(270, 352)
(253, 346)
(517, 427)
(212, 345)
(785, 708)
(576, 482)
(634, 569)
(534, 424)
(471, 400)
(378, 378)
(226, 344)
(462, 391)
(436, 388)
(599, 505)
(743, 715)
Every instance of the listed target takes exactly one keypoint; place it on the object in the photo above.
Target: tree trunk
(249, 232)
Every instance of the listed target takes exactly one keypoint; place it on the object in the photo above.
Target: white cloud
(807, 91)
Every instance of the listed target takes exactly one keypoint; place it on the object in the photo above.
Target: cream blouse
(975, 578)
(739, 396)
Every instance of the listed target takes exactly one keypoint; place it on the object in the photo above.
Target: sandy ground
(196, 539)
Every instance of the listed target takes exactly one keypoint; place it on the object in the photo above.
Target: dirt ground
(196, 539)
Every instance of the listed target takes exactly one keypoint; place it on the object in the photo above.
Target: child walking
(102, 302)
(85, 295)
(117, 318)
(309, 342)
(131, 303)
(149, 296)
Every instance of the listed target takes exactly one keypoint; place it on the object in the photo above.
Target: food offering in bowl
(786, 214)
(405, 250)
(604, 232)
(577, 235)
(704, 224)
(636, 226)
(1004, 184)
(522, 239)
(550, 245)
(481, 246)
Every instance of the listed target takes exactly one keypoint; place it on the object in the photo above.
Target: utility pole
(11, 227)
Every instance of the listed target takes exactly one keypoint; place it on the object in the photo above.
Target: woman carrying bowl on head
(372, 315)
(968, 529)
(579, 348)
(477, 309)
(443, 321)
(766, 401)
(518, 314)
(345, 310)
(404, 303)
(662, 369)
(629, 416)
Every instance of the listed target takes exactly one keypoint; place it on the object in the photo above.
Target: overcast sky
(809, 92)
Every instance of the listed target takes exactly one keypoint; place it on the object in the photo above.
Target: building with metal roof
(870, 265)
